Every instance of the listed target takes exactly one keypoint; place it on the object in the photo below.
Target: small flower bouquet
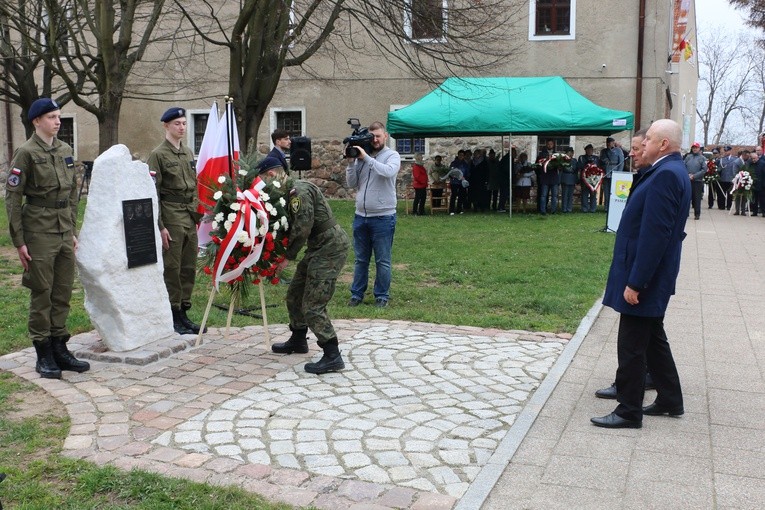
(592, 176)
(713, 174)
(557, 161)
(742, 185)
(249, 230)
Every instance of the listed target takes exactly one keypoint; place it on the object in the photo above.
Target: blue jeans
(551, 191)
(567, 197)
(589, 199)
(372, 234)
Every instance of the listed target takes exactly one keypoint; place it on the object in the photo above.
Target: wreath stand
(262, 293)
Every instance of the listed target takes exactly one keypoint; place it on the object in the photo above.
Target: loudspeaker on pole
(300, 153)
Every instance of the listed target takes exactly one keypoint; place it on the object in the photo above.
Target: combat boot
(65, 359)
(296, 343)
(331, 361)
(187, 322)
(178, 324)
(46, 365)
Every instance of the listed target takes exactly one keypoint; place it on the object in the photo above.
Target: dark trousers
(724, 198)
(504, 195)
(758, 203)
(711, 191)
(642, 343)
(418, 207)
(458, 197)
(697, 190)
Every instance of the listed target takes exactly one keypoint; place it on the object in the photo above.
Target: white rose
(284, 221)
(242, 172)
(215, 225)
(231, 217)
(235, 206)
(222, 179)
(217, 195)
(276, 226)
(247, 243)
(227, 225)
(264, 197)
(242, 237)
(219, 217)
(263, 230)
(277, 184)
(282, 202)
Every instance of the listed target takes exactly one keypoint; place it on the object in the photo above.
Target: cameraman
(374, 177)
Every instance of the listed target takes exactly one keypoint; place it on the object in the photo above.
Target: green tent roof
(501, 106)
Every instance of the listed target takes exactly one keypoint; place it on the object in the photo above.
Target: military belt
(53, 204)
(177, 199)
(323, 227)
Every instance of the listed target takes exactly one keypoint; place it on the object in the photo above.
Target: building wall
(600, 61)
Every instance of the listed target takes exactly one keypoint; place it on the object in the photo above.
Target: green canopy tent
(502, 106)
(505, 106)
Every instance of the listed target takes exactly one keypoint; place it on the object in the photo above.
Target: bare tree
(264, 37)
(25, 78)
(725, 80)
(756, 9)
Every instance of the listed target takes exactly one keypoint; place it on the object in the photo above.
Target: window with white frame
(408, 147)
(425, 20)
(552, 20)
(67, 133)
(196, 123)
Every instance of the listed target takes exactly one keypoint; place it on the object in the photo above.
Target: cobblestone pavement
(410, 422)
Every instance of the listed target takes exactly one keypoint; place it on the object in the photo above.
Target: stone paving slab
(410, 423)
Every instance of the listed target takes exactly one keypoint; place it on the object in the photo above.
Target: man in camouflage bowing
(311, 223)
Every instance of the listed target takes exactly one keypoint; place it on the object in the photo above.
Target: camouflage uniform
(176, 180)
(312, 224)
(46, 224)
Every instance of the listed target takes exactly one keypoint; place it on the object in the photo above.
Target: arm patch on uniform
(69, 160)
(13, 181)
(295, 204)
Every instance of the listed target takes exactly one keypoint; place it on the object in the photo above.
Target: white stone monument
(129, 307)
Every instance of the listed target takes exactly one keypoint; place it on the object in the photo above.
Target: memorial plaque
(140, 243)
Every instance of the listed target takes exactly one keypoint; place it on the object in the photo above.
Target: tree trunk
(108, 128)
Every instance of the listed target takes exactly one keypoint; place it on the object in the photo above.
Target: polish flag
(220, 144)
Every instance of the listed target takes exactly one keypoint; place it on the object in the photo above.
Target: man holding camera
(374, 177)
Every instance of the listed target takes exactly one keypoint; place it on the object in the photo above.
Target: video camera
(361, 137)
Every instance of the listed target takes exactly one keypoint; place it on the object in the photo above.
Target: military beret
(41, 107)
(173, 113)
(268, 163)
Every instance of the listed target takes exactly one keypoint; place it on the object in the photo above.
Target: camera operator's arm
(352, 172)
(387, 166)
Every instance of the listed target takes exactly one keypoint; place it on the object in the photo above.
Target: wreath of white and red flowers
(712, 174)
(592, 175)
(556, 161)
(742, 184)
(249, 231)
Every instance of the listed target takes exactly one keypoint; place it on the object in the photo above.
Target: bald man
(642, 279)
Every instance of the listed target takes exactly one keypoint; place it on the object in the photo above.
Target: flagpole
(229, 136)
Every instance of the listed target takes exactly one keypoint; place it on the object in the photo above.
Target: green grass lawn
(488, 270)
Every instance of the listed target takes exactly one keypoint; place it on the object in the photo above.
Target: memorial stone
(128, 304)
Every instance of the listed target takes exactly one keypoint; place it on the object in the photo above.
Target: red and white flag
(219, 149)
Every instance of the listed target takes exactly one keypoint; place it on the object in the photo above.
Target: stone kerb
(129, 308)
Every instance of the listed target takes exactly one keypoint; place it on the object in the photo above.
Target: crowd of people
(480, 181)
(726, 179)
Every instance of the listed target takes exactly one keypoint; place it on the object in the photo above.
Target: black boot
(63, 358)
(187, 322)
(296, 343)
(46, 365)
(330, 362)
(178, 324)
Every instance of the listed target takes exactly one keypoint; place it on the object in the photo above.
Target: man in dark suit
(282, 144)
(642, 279)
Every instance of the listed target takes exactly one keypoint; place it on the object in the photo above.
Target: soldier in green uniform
(41, 200)
(172, 165)
(311, 224)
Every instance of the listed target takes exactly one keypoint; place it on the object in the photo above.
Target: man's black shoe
(658, 410)
(331, 361)
(354, 301)
(609, 392)
(614, 421)
(296, 343)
